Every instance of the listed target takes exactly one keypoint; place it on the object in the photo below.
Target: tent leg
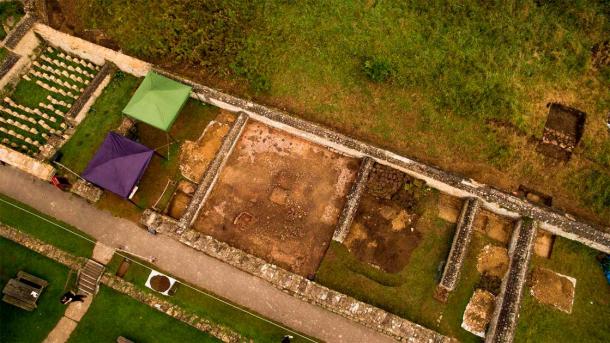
(134, 204)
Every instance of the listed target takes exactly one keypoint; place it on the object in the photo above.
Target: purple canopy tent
(118, 164)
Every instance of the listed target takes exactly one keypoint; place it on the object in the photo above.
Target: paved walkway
(185, 263)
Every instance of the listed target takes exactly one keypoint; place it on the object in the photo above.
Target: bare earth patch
(195, 156)
(478, 312)
(493, 260)
(494, 226)
(278, 197)
(543, 244)
(385, 231)
(554, 289)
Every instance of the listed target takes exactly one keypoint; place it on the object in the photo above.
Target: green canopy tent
(158, 101)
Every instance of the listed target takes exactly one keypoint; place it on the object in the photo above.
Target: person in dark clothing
(70, 296)
(287, 339)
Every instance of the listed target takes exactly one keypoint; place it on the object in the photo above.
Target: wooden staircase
(89, 277)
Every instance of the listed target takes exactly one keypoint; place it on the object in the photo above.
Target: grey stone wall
(219, 331)
(9, 61)
(506, 313)
(459, 248)
(213, 170)
(550, 219)
(41, 247)
(24, 25)
(295, 285)
(107, 69)
(353, 200)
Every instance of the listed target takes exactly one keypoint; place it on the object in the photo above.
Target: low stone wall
(26, 163)
(24, 25)
(219, 331)
(9, 61)
(353, 200)
(41, 247)
(459, 248)
(295, 285)
(92, 52)
(213, 170)
(550, 219)
(107, 70)
(506, 313)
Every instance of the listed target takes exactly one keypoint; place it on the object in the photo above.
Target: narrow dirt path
(184, 262)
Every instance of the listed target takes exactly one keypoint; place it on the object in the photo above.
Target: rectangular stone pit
(278, 197)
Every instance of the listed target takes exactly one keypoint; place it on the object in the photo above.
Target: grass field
(113, 314)
(207, 307)
(21, 326)
(590, 317)
(43, 227)
(461, 85)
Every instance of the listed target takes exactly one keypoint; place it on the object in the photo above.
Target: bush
(377, 70)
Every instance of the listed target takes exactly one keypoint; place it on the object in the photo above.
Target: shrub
(377, 70)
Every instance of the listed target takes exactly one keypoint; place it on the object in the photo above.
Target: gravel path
(184, 262)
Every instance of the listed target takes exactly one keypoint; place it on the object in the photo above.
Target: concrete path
(185, 263)
(68, 323)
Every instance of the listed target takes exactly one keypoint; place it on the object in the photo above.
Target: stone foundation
(353, 200)
(459, 248)
(506, 313)
(213, 170)
(26, 163)
(221, 332)
(41, 247)
(295, 285)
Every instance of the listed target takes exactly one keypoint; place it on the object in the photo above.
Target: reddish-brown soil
(278, 197)
(553, 289)
(384, 232)
(543, 245)
(159, 283)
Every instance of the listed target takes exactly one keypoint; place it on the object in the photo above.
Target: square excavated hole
(562, 132)
(278, 197)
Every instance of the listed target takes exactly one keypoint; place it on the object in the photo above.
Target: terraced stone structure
(36, 112)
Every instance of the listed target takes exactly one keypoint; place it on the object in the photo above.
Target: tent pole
(134, 204)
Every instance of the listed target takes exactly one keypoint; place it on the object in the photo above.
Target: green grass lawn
(17, 325)
(113, 314)
(43, 227)
(409, 293)
(12, 10)
(104, 116)
(422, 78)
(28, 93)
(590, 317)
(209, 308)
